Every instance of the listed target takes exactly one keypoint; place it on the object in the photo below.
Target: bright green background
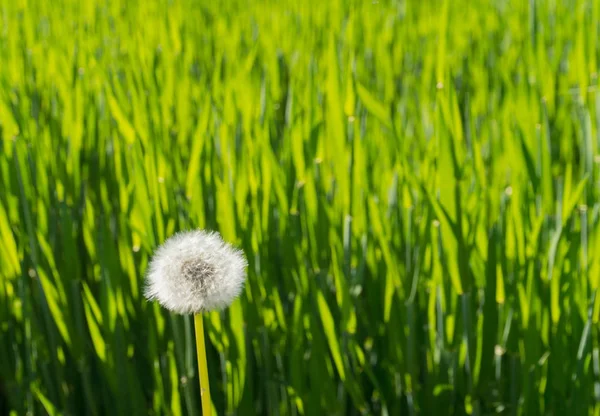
(415, 185)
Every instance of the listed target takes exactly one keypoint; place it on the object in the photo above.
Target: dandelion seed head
(195, 271)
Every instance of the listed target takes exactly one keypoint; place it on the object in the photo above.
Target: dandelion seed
(195, 271)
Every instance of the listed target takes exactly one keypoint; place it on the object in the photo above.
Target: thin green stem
(202, 367)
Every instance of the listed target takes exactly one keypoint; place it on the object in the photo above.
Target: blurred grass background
(415, 184)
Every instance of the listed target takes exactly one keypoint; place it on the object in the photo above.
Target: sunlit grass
(415, 185)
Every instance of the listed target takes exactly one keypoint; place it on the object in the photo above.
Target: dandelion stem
(202, 367)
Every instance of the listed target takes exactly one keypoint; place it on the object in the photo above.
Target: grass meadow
(415, 185)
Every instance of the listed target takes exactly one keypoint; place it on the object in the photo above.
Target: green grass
(416, 185)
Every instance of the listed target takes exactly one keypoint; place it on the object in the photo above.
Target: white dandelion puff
(195, 271)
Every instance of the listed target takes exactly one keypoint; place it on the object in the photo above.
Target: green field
(415, 184)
